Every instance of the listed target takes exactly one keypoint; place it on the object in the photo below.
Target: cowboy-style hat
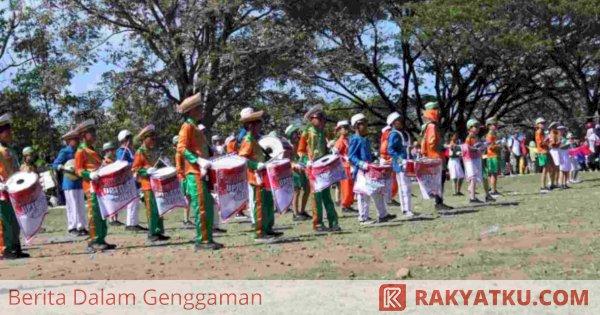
(251, 115)
(5, 119)
(148, 130)
(190, 103)
(85, 126)
(72, 134)
(317, 109)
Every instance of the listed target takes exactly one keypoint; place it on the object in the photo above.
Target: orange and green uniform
(144, 159)
(191, 147)
(542, 148)
(9, 226)
(264, 214)
(312, 146)
(432, 147)
(347, 185)
(383, 152)
(86, 162)
(492, 154)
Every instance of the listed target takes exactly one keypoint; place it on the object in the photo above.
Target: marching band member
(108, 153)
(230, 144)
(473, 161)
(263, 212)
(341, 148)
(146, 157)
(87, 163)
(386, 158)
(554, 144)
(542, 153)
(397, 149)
(195, 165)
(359, 154)
(455, 169)
(432, 147)
(179, 166)
(28, 165)
(126, 153)
(10, 245)
(301, 185)
(218, 147)
(311, 147)
(74, 197)
(565, 163)
(493, 155)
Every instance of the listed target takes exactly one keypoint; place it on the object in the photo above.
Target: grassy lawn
(550, 236)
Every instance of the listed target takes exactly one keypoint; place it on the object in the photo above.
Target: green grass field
(551, 236)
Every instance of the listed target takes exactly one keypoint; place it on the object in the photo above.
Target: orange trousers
(347, 187)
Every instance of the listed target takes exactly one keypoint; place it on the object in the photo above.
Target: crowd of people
(480, 158)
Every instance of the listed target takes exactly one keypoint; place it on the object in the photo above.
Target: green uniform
(144, 159)
(9, 226)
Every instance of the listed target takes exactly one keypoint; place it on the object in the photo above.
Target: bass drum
(276, 147)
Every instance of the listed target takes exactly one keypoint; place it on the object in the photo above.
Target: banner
(377, 180)
(115, 191)
(31, 207)
(231, 188)
(167, 193)
(282, 184)
(429, 176)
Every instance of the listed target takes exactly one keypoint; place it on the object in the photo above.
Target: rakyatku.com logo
(392, 297)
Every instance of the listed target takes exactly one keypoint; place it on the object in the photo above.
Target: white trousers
(76, 210)
(363, 206)
(133, 210)
(251, 203)
(405, 191)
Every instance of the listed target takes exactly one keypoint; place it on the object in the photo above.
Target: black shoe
(83, 232)
(162, 237)
(566, 187)
(73, 232)
(306, 215)
(489, 198)
(495, 193)
(441, 206)
(116, 223)
(153, 238)
(15, 255)
(545, 190)
(394, 203)
(459, 194)
(349, 210)
(208, 246)
(135, 228)
(241, 216)
(335, 228)
(218, 230)
(387, 217)
(275, 233)
(188, 224)
(475, 201)
(299, 218)
(321, 228)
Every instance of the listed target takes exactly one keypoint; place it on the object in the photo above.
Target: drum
(276, 147)
(409, 168)
(47, 180)
(229, 179)
(281, 183)
(115, 188)
(167, 191)
(429, 177)
(325, 172)
(376, 180)
(70, 175)
(29, 202)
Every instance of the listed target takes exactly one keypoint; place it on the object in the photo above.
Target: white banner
(115, 192)
(31, 207)
(168, 195)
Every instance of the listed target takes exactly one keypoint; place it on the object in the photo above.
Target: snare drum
(163, 179)
(326, 171)
(28, 200)
(276, 147)
(115, 188)
(167, 191)
(375, 180)
(281, 182)
(229, 179)
(409, 168)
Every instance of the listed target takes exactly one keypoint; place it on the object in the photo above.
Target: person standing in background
(126, 153)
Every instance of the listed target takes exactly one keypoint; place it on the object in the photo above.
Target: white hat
(356, 118)
(392, 117)
(216, 138)
(246, 111)
(5, 119)
(342, 123)
(561, 127)
(249, 115)
(123, 134)
(201, 127)
(28, 151)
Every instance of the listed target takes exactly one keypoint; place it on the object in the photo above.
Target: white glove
(151, 171)
(364, 166)
(383, 161)
(3, 187)
(60, 167)
(309, 164)
(298, 167)
(94, 175)
(335, 151)
(70, 169)
(260, 166)
(204, 163)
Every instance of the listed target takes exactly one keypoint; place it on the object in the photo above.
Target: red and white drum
(29, 202)
(115, 188)
(277, 147)
(167, 191)
(429, 176)
(409, 168)
(325, 172)
(376, 180)
(229, 179)
(281, 183)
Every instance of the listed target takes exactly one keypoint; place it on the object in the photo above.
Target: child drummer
(301, 185)
(541, 144)
(397, 149)
(312, 146)
(341, 148)
(108, 157)
(87, 163)
(10, 245)
(264, 214)
(360, 156)
(472, 159)
(146, 157)
(194, 153)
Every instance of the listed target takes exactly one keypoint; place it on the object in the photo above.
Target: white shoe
(366, 222)
(408, 214)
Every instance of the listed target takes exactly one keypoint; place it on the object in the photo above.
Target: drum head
(278, 162)
(325, 160)
(228, 162)
(112, 168)
(21, 181)
(165, 172)
(274, 146)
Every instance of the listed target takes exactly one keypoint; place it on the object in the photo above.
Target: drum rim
(124, 164)
(158, 175)
(34, 176)
(238, 160)
(332, 156)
